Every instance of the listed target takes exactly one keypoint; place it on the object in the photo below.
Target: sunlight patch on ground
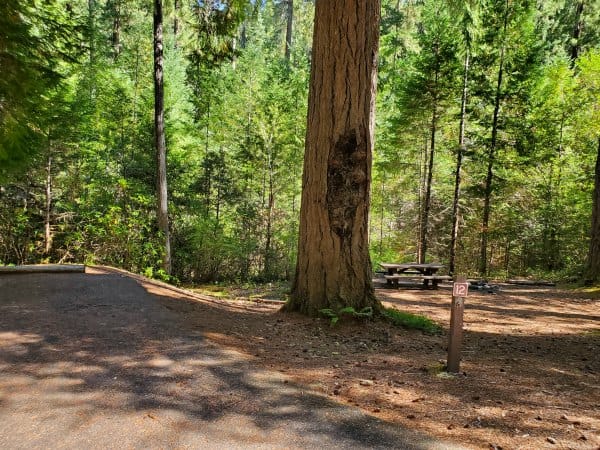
(591, 292)
(160, 362)
(11, 338)
(212, 291)
(533, 311)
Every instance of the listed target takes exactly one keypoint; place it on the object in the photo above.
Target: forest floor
(530, 370)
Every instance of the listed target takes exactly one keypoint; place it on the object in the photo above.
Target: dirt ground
(103, 359)
(530, 371)
(531, 362)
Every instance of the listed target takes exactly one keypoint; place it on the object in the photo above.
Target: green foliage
(159, 274)
(81, 98)
(206, 251)
(37, 40)
(589, 92)
(411, 321)
(398, 318)
(545, 144)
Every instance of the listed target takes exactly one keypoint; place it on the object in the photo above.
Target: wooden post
(460, 290)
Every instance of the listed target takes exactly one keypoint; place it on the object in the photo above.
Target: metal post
(460, 290)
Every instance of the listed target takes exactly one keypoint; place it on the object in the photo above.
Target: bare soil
(105, 359)
(530, 370)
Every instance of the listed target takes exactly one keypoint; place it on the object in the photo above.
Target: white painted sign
(460, 289)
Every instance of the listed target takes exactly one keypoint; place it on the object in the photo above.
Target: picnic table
(425, 272)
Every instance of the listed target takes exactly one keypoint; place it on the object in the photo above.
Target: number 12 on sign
(460, 289)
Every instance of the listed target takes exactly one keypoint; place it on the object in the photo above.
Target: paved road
(94, 361)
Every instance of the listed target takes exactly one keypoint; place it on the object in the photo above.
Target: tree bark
(382, 214)
(421, 195)
(91, 34)
(289, 29)
(333, 268)
(457, 174)
(268, 264)
(116, 32)
(159, 136)
(592, 274)
(176, 8)
(427, 204)
(551, 228)
(48, 212)
(577, 28)
(483, 265)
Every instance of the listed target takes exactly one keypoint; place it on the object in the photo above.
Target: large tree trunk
(457, 174)
(159, 137)
(334, 268)
(487, 199)
(592, 274)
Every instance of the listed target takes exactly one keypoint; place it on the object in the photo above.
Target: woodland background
(77, 166)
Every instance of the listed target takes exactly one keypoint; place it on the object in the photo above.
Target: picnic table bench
(414, 272)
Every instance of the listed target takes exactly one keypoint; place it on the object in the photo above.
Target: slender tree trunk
(218, 207)
(207, 129)
(234, 54)
(552, 227)
(220, 181)
(176, 9)
(208, 173)
(116, 32)
(136, 84)
(592, 274)
(428, 185)
(159, 137)
(289, 29)
(47, 218)
(457, 175)
(91, 31)
(421, 200)
(483, 259)
(507, 257)
(334, 268)
(382, 214)
(578, 27)
(243, 36)
(269, 232)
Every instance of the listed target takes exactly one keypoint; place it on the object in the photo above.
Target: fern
(335, 316)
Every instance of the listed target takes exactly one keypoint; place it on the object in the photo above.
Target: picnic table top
(411, 265)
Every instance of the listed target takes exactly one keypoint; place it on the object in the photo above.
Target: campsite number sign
(460, 289)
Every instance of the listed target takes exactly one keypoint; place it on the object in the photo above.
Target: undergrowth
(348, 311)
(396, 317)
(411, 321)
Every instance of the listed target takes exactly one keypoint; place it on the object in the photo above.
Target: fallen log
(532, 282)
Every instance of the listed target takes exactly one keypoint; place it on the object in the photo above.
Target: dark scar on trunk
(346, 182)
